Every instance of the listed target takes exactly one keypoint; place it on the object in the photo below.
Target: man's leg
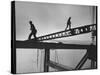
(35, 36)
(69, 26)
(66, 27)
(30, 36)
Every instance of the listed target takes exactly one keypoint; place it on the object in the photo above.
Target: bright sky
(49, 18)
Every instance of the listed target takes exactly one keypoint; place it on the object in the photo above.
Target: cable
(56, 55)
(56, 58)
(37, 58)
(41, 60)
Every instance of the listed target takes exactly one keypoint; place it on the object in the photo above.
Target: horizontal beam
(45, 45)
(58, 66)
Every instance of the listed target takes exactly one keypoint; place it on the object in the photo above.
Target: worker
(33, 31)
(68, 23)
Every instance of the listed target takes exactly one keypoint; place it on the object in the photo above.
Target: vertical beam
(92, 64)
(46, 60)
(13, 39)
(96, 36)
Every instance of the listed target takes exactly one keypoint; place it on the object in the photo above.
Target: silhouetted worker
(68, 23)
(33, 31)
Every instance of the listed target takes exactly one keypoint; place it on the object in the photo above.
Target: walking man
(68, 23)
(33, 31)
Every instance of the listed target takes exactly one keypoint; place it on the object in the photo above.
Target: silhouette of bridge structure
(90, 54)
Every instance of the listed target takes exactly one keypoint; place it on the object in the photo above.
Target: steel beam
(59, 67)
(81, 63)
(67, 33)
(46, 60)
(13, 38)
(93, 64)
(45, 45)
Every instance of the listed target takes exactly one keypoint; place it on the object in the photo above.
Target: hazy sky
(50, 18)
